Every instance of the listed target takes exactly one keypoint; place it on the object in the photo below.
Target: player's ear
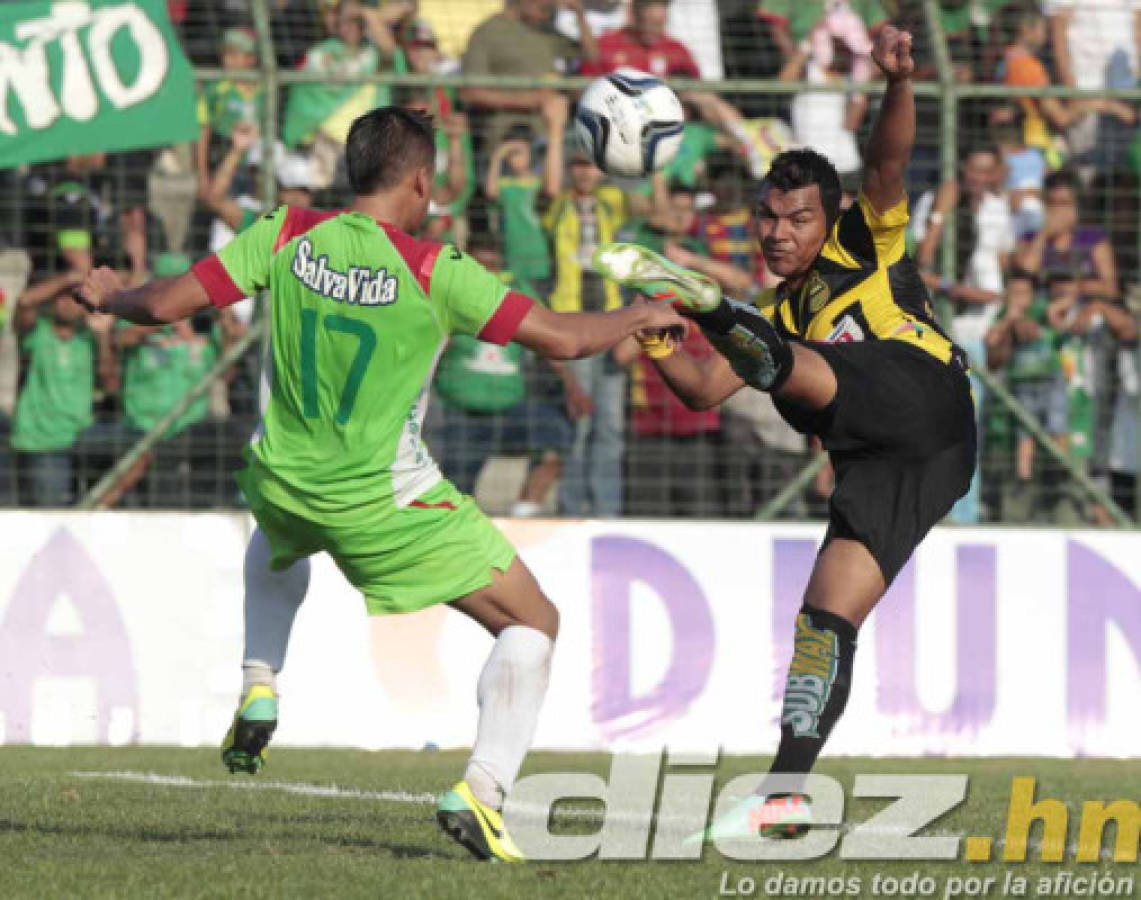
(424, 182)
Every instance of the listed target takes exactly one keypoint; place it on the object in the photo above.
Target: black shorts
(901, 436)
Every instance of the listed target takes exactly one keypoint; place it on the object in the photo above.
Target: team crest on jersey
(847, 331)
(816, 293)
(359, 286)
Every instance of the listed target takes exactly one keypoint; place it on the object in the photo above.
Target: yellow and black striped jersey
(863, 286)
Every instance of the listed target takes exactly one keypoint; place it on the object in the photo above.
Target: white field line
(288, 787)
(423, 798)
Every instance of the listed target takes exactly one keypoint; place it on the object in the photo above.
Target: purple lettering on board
(976, 640)
(617, 564)
(1099, 595)
(100, 651)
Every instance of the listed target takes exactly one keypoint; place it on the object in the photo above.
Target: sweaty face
(792, 227)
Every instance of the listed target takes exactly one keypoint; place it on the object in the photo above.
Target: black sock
(750, 342)
(816, 691)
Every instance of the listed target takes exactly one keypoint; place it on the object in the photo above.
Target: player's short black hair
(803, 168)
(385, 144)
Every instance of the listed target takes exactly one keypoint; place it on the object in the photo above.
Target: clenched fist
(99, 284)
(892, 53)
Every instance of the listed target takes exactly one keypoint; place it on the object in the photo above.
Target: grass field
(68, 827)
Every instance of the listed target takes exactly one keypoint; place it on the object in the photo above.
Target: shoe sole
(250, 739)
(463, 828)
(646, 269)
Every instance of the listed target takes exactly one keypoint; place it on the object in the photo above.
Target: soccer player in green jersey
(360, 313)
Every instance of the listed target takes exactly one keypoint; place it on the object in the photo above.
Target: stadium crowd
(1042, 290)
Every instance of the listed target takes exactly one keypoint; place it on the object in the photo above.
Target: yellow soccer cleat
(476, 827)
(245, 745)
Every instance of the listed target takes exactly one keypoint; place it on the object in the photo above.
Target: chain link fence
(1025, 220)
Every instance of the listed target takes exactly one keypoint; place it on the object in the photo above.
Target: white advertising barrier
(120, 627)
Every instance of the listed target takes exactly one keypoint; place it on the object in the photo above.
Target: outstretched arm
(157, 302)
(889, 148)
(575, 335)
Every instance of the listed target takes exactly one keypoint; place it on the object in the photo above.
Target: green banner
(84, 77)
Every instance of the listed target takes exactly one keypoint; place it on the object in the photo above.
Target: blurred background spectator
(521, 40)
(583, 216)
(496, 402)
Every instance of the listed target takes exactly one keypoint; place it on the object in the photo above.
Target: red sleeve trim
(771, 17)
(501, 327)
(219, 286)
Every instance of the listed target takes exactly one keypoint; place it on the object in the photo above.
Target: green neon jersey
(359, 314)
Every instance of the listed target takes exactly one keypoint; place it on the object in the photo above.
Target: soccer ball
(629, 123)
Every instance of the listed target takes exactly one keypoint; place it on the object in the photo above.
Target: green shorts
(401, 559)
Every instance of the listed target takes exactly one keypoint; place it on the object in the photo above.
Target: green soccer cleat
(643, 270)
(779, 816)
(245, 746)
(477, 828)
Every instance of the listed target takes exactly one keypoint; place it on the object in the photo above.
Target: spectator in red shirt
(645, 45)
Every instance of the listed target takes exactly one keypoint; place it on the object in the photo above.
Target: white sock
(255, 672)
(510, 691)
(272, 601)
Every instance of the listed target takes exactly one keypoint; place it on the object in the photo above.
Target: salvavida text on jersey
(360, 285)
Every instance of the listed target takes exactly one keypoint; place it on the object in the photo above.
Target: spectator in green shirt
(228, 103)
(494, 403)
(1023, 343)
(60, 350)
(520, 196)
(318, 115)
(160, 366)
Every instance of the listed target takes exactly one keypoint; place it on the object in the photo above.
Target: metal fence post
(267, 61)
(948, 124)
